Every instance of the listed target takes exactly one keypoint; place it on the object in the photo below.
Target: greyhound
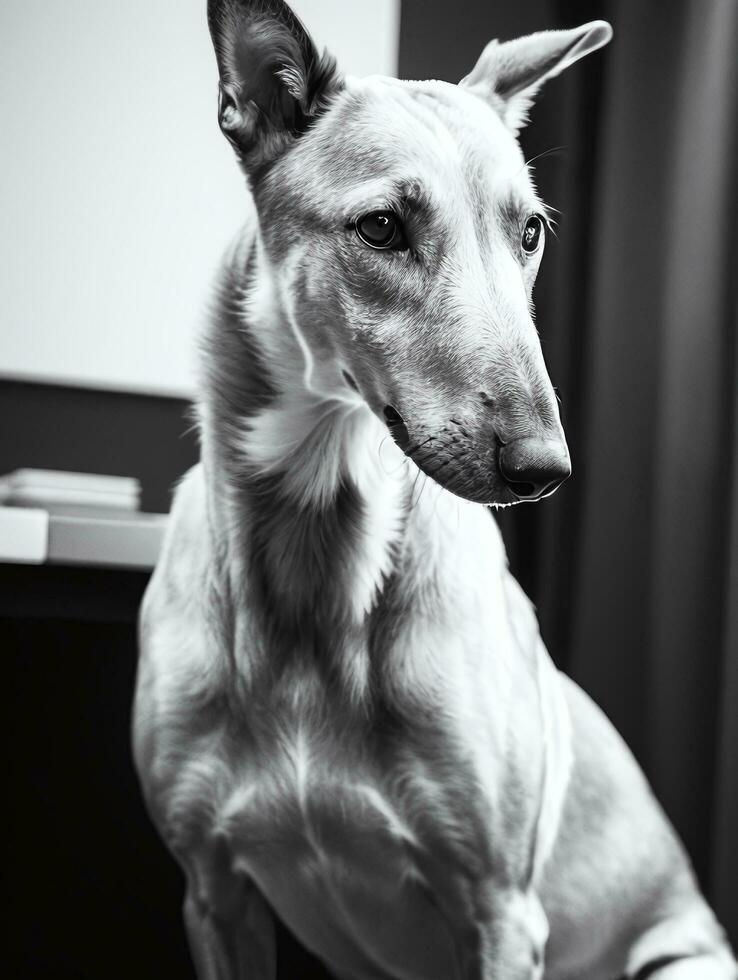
(345, 716)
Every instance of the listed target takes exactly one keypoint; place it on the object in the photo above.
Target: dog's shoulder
(175, 590)
(179, 679)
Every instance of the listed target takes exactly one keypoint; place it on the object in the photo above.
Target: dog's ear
(509, 74)
(273, 80)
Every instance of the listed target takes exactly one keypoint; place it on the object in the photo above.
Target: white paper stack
(75, 494)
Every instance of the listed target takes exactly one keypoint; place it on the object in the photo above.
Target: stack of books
(71, 494)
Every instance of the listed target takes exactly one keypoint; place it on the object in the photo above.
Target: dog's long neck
(309, 476)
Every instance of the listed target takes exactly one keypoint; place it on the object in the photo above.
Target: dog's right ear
(508, 75)
(273, 80)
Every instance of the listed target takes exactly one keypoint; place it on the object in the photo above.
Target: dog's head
(402, 223)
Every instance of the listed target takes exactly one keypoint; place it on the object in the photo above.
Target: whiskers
(545, 153)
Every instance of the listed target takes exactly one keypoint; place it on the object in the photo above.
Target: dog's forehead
(435, 104)
(382, 131)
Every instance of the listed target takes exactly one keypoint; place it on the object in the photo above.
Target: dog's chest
(327, 798)
(334, 847)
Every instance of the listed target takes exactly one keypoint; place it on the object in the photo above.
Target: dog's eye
(381, 229)
(532, 234)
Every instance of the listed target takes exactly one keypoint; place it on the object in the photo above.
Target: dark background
(632, 564)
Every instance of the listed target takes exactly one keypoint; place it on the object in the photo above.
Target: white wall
(117, 190)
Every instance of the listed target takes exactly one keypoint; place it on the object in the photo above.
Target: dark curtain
(632, 571)
(647, 615)
(634, 563)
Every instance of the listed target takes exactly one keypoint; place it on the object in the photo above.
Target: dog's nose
(532, 467)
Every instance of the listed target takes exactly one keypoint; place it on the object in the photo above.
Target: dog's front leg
(706, 967)
(685, 946)
(503, 936)
(230, 927)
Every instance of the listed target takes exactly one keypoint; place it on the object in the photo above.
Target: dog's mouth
(397, 427)
(500, 473)
(450, 460)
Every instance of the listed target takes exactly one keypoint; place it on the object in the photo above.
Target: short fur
(345, 714)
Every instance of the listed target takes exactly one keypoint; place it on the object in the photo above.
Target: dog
(345, 716)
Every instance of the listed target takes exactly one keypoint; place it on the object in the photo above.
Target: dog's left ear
(273, 80)
(509, 74)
